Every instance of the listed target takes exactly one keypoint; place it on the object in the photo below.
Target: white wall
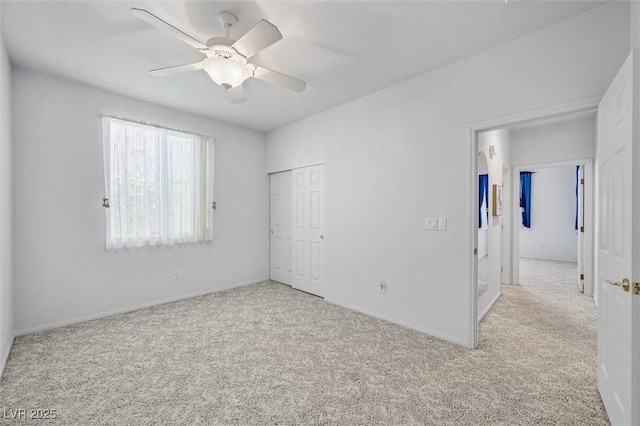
(635, 25)
(6, 208)
(401, 154)
(483, 238)
(62, 272)
(553, 208)
(573, 139)
(499, 139)
(558, 142)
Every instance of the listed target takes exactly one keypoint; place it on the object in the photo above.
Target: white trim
(506, 277)
(472, 190)
(538, 114)
(105, 314)
(488, 308)
(5, 356)
(449, 339)
(472, 239)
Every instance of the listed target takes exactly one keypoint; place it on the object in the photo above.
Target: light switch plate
(442, 223)
(431, 223)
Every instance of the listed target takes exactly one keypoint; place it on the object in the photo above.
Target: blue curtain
(577, 189)
(483, 191)
(525, 198)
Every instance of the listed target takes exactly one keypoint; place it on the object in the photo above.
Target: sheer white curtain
(159, 183)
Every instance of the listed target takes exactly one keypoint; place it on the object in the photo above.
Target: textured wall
(6, 208)
(401, 154)
(62, 271)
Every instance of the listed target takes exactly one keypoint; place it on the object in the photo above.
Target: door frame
(588, 215)
(472, 188)
(269, 175)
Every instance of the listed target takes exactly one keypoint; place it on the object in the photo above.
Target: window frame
(202, 205)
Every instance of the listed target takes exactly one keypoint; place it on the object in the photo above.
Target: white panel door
(308, 224)
(281, 227)
(618, 328)
(580, 217)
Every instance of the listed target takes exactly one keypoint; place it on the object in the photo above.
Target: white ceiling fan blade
(261, 36)
(278, 79)
(165, 26)
(178, 69)
(236, 94)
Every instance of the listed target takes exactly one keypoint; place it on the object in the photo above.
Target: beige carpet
(266, 354)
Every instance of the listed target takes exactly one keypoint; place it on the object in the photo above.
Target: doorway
(491, 159)
(553, 223)
(535, 154)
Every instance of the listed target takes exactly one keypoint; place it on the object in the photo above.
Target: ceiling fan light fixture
(226, 59)
(226, 72)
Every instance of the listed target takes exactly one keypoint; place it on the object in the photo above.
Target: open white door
(308, 221)
(618, 307)
(580, 230)
(281, 229)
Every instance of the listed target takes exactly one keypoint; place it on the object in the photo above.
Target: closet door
(308, 225)
(281, 227)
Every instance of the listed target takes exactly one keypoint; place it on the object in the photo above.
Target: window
(159, 185)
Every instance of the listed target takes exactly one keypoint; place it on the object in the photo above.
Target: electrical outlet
(176, 274)
(382, 287)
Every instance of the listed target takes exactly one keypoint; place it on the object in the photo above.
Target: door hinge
(214, 205)
(582, 277)
(582, 229)
(582, 181)
(475, 251)
(105, 203)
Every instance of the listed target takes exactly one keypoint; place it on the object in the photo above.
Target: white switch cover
(442, 223)
(431, 223)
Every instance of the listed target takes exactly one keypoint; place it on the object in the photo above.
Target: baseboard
(105, 314)
(5, 356)
(488, 308)
(422, 330)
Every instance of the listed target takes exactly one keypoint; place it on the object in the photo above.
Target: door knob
(624, 284)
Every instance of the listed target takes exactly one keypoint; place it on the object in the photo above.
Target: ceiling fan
(226, 59)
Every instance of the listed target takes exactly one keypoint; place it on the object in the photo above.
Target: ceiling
(342, 49)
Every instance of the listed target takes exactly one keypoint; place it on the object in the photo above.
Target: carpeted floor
(266, 354)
